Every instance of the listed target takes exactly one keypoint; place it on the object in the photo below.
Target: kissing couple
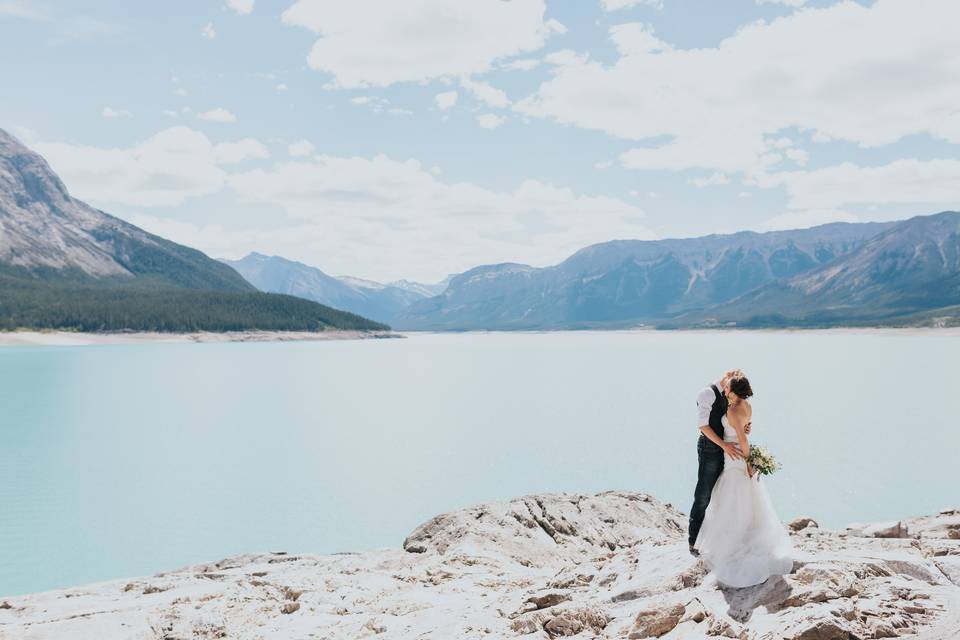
(733, 526)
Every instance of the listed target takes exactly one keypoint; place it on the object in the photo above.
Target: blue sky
(391, 140)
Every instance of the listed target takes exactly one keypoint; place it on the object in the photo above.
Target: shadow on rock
(769, 595)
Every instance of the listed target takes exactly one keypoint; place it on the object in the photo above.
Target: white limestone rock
(612, 565)
(886, 530)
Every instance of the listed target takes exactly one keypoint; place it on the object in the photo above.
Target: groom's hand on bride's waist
(732, 450)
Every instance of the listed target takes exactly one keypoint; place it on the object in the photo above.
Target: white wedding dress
(742, 541)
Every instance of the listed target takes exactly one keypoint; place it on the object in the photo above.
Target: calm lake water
(119, 461)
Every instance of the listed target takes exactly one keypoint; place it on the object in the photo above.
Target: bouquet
(762, 460)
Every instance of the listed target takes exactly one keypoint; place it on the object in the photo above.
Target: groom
(711, 406)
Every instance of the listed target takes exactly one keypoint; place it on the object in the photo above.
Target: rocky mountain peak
(46, 234)
(41, 227)
(27, 174)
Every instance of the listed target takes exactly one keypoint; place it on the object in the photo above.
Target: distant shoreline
(80, 339)
(897, 331)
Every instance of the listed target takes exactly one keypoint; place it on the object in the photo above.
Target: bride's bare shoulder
(742, 410)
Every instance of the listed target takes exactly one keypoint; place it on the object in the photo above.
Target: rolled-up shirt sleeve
(704, 404)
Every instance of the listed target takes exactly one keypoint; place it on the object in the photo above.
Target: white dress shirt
(705, 404)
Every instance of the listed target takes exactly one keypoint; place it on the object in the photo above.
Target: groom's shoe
(694, 552)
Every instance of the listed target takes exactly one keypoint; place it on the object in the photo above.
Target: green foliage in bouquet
(762, 460)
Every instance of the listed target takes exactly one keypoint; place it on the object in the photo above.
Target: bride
(742, 541)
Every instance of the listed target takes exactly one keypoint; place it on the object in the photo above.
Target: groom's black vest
(716, 413)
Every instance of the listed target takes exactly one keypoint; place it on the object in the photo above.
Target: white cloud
(485, 93)
(181, 92)
(446, 100)
(209, 32)
(637, 39)
(523, 64)
(779, 143)
(383, 218)
(712, 180)
(20, 9)
(281, 87)
(217, 115)
(555, 27)
(789, 3)
(26, 134)
(565, 57)
(164, 170)
(240, 151)
(109, 112)
(300, 148)
(603, 164)
(820, 137)
(806, 219)
(907, 181)
(798, 155)
(876, 74)
(616, 5)
(490, 120)
(213, 239)
(240, 7)
(377, 43)
(171, 113)
(377, 104)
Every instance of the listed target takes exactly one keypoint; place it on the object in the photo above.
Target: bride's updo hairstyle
(741, 386)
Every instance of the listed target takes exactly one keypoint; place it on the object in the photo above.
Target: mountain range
(65, 264)
(381, 302)
(836, 274)
(890, 273)
(906, 274)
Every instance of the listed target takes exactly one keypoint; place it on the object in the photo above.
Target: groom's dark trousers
(711, 465)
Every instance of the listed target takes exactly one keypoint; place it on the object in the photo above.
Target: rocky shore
(612, 565)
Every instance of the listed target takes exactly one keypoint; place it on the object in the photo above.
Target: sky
(386, 139)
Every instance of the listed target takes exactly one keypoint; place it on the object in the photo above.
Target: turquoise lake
(118, 461)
